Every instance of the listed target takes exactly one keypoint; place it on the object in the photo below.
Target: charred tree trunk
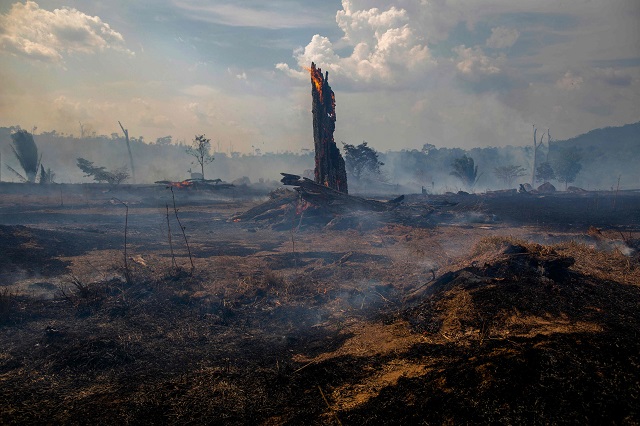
(126, 136)
(535, 158)
(330, 168)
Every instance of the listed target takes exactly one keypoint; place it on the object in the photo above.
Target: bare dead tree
(616, 196)
(330, 169)
(126, 136)
(535, 156)
(509, 173)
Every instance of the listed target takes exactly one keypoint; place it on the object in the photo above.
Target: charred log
(333, 200)
(330, 167)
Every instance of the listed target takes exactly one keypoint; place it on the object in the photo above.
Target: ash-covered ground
(492, 308)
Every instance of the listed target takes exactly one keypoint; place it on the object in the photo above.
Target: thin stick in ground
(173, 258)
(294, 230)
(615, 198)
(335, 416)
(126, 224)
(182, 228)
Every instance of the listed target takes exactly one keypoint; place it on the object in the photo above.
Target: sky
(453, 73)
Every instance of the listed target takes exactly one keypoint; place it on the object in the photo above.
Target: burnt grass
(345, 327)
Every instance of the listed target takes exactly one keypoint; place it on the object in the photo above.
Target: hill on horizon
(607, 153)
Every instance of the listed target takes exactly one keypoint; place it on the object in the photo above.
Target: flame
(302, 206)
(316, 77)
(181, 185)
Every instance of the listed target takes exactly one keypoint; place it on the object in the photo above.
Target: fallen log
(335, 201)
(278, 202)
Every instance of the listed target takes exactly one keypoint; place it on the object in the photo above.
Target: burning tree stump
(330, 169)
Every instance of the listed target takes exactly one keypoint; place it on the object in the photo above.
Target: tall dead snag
(535, 157)
(330, 168)
(536, 146)
(126, 136)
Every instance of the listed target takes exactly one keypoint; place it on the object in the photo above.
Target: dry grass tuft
(600, 264)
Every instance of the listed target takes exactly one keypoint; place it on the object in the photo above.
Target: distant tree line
(593, 160)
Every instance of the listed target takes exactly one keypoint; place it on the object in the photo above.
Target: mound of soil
(519, 337)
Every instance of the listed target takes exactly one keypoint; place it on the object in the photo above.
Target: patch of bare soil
(463, 323)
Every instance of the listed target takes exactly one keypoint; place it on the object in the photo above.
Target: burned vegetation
(365, 324)
(200, 302)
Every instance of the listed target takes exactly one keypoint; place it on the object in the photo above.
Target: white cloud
(204, 116)
(270, 16)
(472, 62)
(502, 37)
(365, 25)
(386, 49)
(30, 31)
(569, 81)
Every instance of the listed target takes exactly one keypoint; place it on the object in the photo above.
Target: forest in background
(604, 156)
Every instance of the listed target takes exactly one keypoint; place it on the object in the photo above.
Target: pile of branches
(313, 204)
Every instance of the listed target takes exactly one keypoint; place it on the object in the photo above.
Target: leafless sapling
(127, 272)
(182, 228)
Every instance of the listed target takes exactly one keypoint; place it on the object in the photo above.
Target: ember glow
(316, 78)
(181, 185)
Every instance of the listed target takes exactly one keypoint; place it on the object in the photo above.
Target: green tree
(362, 161)
(567, 165)
(509, 173)
(200, 150)
(544, 172)
(100, 174)
(164, 141)
(26, 152)
(465, 169)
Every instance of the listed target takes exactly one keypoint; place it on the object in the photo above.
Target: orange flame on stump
(316, 78)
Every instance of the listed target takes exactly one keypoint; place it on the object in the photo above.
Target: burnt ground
(503, 309)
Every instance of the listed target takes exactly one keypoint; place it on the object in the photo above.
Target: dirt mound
(522, 333)
(513, 288)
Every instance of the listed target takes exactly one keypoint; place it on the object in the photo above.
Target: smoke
(161, 162)
(607, 154)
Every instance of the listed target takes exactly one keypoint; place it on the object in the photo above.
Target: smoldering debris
(198, 184)
(312, 204)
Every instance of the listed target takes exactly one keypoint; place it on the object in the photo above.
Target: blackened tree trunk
(126, 136)
(330, 168)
